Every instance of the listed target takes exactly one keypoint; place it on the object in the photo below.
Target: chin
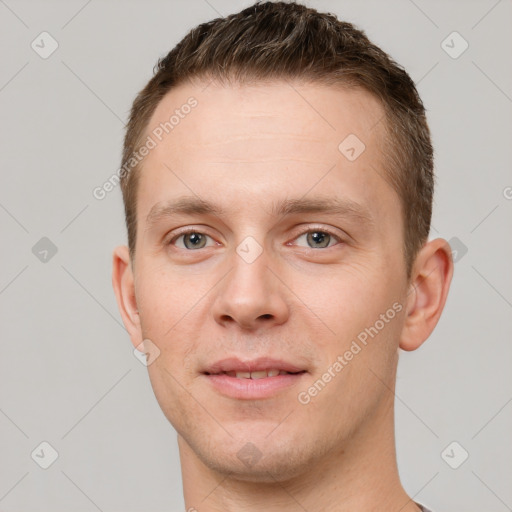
(271, 468)
(263, 461)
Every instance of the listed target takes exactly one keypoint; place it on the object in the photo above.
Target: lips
(262, 374)
(255, 369)
(258, 379)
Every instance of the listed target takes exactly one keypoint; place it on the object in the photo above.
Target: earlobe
(124, 289)
(430, 283)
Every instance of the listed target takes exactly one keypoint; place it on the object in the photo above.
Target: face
(266, 240)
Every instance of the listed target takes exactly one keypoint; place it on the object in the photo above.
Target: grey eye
(192, 240)
(318, 237)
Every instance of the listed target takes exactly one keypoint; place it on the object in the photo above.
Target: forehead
(269, 139)
(224, 115)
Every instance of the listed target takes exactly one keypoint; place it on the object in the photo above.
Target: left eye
(318, 239)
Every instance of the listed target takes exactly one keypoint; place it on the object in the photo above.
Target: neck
(361, 475)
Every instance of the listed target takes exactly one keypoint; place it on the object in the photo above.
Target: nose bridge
(251, 294)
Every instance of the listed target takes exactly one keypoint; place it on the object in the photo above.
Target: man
(278, 182)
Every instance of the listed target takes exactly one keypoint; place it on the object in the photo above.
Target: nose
(251, 296)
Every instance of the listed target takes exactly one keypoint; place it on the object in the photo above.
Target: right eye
(191, 240)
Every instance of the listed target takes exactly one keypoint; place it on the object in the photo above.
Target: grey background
(68, 373)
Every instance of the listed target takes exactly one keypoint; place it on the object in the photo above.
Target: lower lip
(251, 389)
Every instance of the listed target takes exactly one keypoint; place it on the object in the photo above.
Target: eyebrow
(191, 205)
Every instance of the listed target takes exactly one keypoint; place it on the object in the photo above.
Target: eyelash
(310, 230)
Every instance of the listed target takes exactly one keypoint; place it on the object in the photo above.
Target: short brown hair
(285, 40)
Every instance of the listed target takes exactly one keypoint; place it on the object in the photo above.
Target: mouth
(251, 380)
(262, 374)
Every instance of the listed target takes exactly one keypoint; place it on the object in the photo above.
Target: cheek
(346, 297)
(172, 310)
(163, 301)
(362, 317)
(160, 323)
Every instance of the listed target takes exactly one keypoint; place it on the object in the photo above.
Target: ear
(124, 288)
(430, 282)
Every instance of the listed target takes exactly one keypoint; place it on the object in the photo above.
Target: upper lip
(262, 363)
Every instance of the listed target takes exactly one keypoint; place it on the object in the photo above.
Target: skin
(246, 148)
